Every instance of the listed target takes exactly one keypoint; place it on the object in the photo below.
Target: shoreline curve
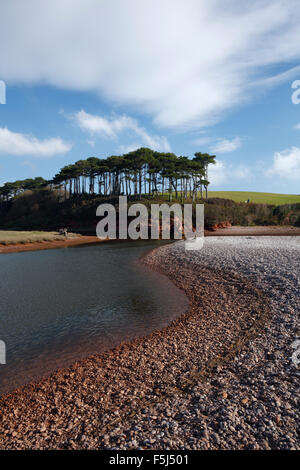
(116, 386)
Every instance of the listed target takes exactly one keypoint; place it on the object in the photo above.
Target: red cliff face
(225, 224)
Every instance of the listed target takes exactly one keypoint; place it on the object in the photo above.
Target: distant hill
(259, 198)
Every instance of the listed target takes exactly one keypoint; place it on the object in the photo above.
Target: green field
(15, 237)
(260, 198)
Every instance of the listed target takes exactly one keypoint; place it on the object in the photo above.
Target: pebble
(235, 285)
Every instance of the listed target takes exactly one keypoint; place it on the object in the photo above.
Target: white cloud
(129, 148)
(222, 173)
(117, 125)
(94, 124)
(217, 173)
(13, 143)
(241, 172)
(29, 164)
(225, 146)
(218, 145)
(277, 79)
(185, 63)
(201, 141)
(286, 164)
(297, 126)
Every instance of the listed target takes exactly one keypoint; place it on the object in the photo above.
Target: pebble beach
(219, 377)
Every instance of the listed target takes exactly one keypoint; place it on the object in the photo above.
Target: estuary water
(58, 306)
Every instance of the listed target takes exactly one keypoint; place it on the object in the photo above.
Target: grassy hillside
(258, 198)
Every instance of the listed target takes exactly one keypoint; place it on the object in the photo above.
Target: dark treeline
(11, 190)
(141, 173)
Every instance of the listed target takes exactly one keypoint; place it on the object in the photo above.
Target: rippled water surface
(58, 306)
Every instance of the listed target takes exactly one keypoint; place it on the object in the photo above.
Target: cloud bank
(225, 146)
(184, 63)
(13, 143)
(116, 126)
(222, 172)
(286, 164)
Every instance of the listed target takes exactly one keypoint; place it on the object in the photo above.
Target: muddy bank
(48, 245)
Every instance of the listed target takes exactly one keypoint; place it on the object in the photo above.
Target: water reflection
(58, 306)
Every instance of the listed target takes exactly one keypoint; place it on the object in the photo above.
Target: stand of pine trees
(141, 173)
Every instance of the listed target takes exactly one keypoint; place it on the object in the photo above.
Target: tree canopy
(142, 172)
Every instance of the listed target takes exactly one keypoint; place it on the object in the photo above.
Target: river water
(58, 306)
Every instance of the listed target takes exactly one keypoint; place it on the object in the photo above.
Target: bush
(44, 209)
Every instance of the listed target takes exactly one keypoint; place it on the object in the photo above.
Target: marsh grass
(18, 237)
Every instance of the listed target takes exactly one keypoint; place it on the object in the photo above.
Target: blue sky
(183, 77)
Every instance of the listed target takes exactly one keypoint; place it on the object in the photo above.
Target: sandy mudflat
(219, 377)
